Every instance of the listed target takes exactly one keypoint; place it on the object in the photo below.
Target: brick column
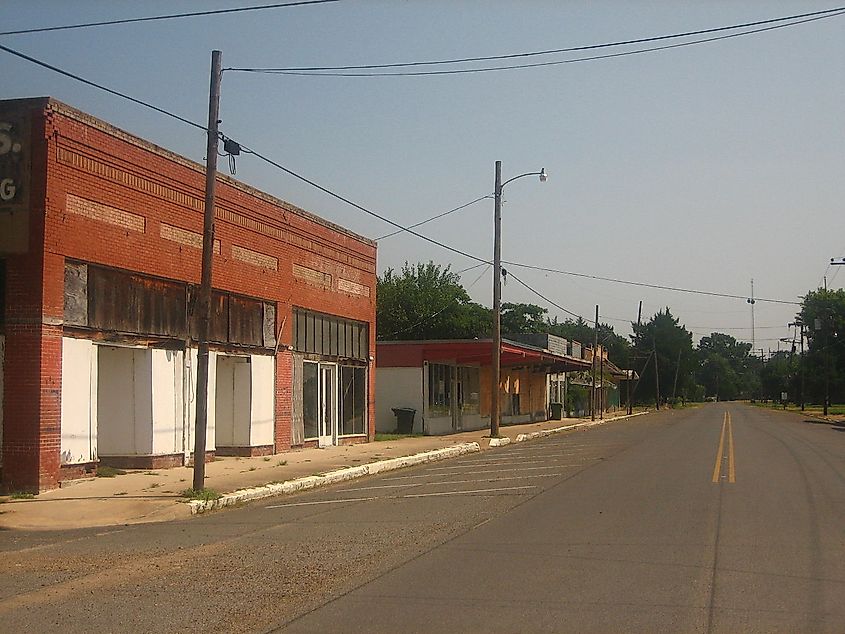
(32, 395)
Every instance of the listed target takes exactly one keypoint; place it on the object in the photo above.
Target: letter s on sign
(5, 139)
(7, 189)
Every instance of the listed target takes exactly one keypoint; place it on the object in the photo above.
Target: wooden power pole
(204, 304)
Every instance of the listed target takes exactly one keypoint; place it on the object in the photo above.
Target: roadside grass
(835, 409)
(202, 494)
(109, 472)
(381, 437)
(21, 495)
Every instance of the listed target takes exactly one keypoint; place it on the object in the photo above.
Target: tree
(523, 318)
(427, 301)
(675, 358)
(726, 369)
(823, 315)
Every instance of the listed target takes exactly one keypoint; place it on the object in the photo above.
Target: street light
(495, 411)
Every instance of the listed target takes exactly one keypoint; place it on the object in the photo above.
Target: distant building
(447, 383)
(100, 236)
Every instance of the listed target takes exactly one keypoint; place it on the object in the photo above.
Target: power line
(383, 218)
(540, 295)
(88, 82)
(647, 285)
(171, 16)
(330, 72)
(445, 213)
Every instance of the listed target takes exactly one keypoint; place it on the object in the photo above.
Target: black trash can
(556, 411)
(404, 419)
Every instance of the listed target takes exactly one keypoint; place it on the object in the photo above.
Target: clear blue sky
(698, 167)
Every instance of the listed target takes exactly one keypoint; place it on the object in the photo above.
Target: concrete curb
(557, 430)
(500, 442)
(332, 477)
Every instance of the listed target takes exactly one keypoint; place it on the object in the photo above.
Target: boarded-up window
(330, 336)
(125, 302)
(118, 301)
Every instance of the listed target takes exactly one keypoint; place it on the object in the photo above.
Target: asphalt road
(724, 518)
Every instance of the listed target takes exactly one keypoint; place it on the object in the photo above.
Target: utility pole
(677, 367)
(801, 325)
(496, 366)
(656, 375)
(628, 378)
(601, 383)
(205, 278)
(593, 364)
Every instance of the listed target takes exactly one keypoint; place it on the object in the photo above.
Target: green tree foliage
(427, 301)
(675, 357)
(523, 318)
(727, 370)
(823, 315)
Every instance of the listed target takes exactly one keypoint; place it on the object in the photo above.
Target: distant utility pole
(205, 276)
(593, 364)
(677, 367)
(656, 375)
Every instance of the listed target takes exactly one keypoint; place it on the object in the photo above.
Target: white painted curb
(548, 432)
(500, 442)
(332, 477)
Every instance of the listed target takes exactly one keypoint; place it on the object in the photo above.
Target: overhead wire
(398, 226)
(111, 91)
(170, 16)
(438, 216)
(317, 72)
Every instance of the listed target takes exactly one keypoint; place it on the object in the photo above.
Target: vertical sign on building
(14, 180)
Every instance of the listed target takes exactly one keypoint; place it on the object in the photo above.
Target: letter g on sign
(7, 189)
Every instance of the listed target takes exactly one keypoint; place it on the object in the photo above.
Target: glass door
(328, 405)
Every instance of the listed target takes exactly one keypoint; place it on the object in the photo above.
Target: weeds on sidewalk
(22, 495)
(202, 494)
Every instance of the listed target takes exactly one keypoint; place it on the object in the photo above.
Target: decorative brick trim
(312, 276)
(67, 156)
(348, 286)
(104, 213)
(183, 236)
(256, 258)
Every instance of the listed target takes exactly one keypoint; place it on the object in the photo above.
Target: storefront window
(439, 389)
(353, 399)
(310, 399)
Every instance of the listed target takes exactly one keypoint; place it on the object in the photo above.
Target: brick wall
(105, 197)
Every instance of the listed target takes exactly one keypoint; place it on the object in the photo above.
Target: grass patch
(266, 458)
(253, 468)
(121, 493)
(203, 494)
(155, 485)
(281, 463)
(109, 472)
(151, 473)
(22, 495)
(385, 437)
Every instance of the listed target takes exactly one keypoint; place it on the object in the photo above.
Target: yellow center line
(717, 468)
(731, 464)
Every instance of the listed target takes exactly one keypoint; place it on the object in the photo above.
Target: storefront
(100, 249)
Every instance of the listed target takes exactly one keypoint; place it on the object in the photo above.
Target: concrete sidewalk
(155, 496)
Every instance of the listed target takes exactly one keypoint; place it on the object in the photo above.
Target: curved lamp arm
(542, 174)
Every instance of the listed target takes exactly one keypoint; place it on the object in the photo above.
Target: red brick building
(100, 251)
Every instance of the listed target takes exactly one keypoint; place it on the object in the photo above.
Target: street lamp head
(543, 176)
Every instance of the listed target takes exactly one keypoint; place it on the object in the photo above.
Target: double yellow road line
(722, 455)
